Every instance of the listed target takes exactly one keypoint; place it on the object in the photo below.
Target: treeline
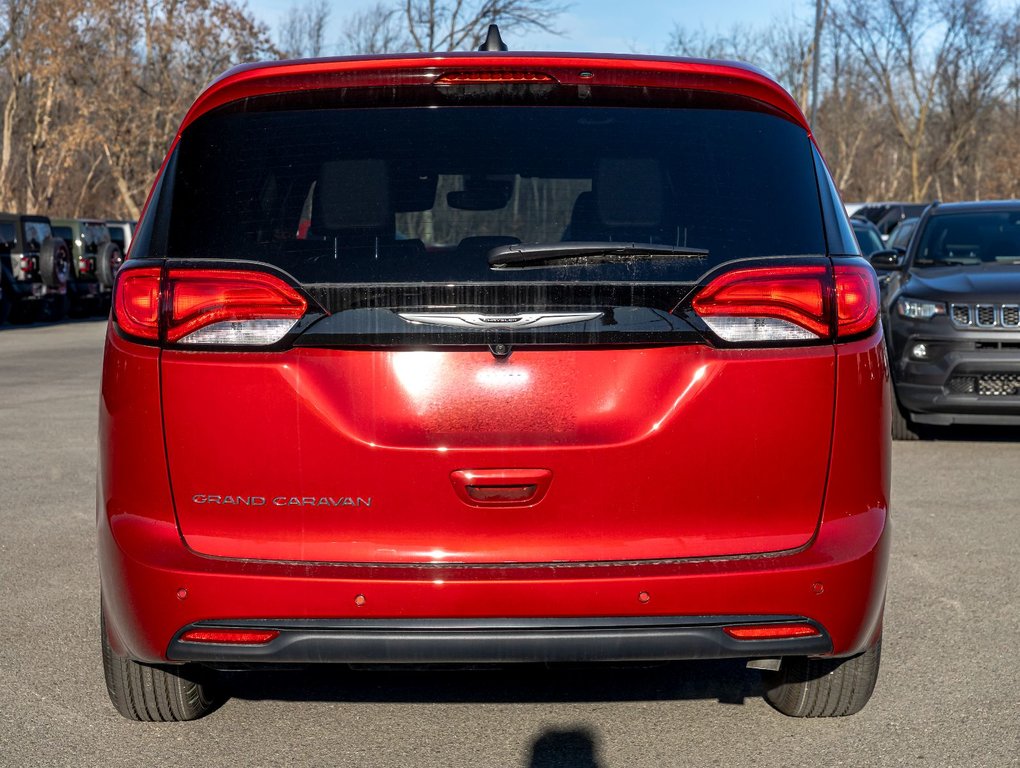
(91, 92)
(910, 99)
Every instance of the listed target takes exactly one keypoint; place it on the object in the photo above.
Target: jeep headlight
(917, 309)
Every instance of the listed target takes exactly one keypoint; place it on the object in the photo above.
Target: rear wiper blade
(581, 254)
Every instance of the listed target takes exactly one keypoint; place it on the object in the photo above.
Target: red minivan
(493, 357)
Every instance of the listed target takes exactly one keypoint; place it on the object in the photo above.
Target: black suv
(887, 215)
(34, 268)
(951, 309)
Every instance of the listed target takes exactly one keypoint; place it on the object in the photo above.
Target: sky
(605, 26)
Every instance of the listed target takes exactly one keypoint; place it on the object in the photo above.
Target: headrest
(352, 194)
(629, 191)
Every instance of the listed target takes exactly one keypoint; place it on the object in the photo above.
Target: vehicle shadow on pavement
(974, 434)
(574, 748)
(21, 326)
(725, 681)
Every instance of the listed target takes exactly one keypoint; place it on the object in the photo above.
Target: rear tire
(157, 694)
(108, 261)
(806, 687)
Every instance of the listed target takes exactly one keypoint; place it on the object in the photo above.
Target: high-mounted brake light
(493, 76)
(230, 636)
(206, 306)
(781, 304)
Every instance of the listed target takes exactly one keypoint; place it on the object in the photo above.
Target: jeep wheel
(806, 687)
(108, 262)
(154, 693)
(54, 262)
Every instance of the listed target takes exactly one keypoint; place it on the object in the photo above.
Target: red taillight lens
(857, 298)
(206, 306)
(494, 76)
(136, 302)
(771, 631)
(781, 304)
(203, 297)
(795, 296)
(230, 636)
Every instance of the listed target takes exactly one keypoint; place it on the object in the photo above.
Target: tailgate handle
(501, 487)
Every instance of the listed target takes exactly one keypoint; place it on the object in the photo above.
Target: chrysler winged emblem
(488, 322)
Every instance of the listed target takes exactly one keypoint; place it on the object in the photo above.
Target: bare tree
(893, 38)
(454, 26)
(376, 29)
(303, 30)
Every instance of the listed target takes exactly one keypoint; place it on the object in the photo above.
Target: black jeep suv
(951, 310)
(34, 268)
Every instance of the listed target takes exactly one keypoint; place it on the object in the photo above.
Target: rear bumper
(479, 641)
(154, 588)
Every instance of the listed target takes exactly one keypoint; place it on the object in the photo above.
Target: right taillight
(857, 298)
(790, 303)
(206, 307)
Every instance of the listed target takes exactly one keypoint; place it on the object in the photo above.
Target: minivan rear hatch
(443, 403)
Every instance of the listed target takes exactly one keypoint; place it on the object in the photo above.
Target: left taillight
(790, 303)
(136, 302)
(206, 307)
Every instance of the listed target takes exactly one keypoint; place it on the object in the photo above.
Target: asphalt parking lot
(948, 694)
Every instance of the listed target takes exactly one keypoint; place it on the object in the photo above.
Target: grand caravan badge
(281, 501)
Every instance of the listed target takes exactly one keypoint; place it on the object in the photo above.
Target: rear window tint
(422, 194)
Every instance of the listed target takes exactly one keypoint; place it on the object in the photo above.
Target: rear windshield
(416, 194)
(969, 239)
(36, 231)
(93, 236)
(868, 239)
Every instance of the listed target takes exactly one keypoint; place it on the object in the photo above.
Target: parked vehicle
(899, 236)
(887, 215)
(95, 260)
(868, 237)
(348, 430)
(34, 268)
(951, 318)
(121, 233)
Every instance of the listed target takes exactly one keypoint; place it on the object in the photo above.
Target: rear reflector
(230, 636)
(783, 304)
(771, 631)
(494, 76)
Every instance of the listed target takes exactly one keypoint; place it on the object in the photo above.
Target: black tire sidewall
(54, 262)
(108, 261)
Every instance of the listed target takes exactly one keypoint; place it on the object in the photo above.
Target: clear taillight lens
(784, 304)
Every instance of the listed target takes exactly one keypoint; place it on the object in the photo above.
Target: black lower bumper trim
(461, 641)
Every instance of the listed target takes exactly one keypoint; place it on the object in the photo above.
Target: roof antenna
(493, 41)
